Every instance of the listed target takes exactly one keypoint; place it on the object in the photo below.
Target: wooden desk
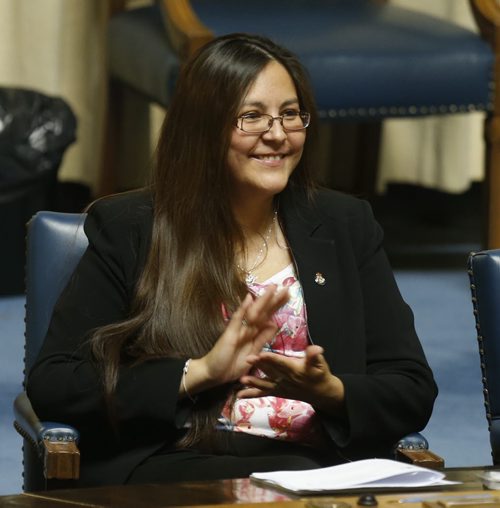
(223, 493)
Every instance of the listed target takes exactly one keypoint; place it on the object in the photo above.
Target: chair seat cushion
(366, 59)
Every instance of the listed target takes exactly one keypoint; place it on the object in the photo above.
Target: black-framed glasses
(258, 123)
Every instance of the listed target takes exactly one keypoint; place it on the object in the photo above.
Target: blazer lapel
(315, 255)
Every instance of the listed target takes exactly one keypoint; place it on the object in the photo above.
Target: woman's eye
(251, 116)
(290, 113)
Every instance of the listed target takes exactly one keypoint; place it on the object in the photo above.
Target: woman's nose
(276, 132)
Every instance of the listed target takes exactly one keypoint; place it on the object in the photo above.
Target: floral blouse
(276, 417)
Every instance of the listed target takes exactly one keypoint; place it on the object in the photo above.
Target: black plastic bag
(35, 131)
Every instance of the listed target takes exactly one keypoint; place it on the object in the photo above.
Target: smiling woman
(248, 320)
(263, 152)
(262, 155)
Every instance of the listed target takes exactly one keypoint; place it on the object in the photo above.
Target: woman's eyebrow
(261, 105)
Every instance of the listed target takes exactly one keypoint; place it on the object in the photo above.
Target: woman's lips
(269, 160)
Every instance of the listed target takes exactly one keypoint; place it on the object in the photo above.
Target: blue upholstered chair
(367, 59)
(484, 272)
(55, 243)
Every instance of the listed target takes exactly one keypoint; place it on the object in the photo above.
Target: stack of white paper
(361, 474)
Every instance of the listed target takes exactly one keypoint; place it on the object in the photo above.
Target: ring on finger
(244, 322)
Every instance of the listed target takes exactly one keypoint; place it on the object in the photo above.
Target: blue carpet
(11, 368)
(445, 323)
(444, 320)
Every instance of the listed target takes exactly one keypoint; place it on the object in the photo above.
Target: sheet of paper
(370, 473)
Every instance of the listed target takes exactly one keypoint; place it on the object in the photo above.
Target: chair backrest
(365, 59)
(55, 244)
(484, 273)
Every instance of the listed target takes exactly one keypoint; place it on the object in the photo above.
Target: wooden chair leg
(487, 16)
(492, 182)
(349, 157)
(108, 181)
(367, 155)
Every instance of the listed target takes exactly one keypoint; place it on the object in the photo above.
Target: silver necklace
(277, 231)
(251, 277)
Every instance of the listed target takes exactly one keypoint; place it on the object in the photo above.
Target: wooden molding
(115, 6)
(185, 30)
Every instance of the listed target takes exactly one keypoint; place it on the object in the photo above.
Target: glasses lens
(296, 120)
(255, 123)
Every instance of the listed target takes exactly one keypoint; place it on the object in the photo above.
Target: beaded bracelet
(184, 374)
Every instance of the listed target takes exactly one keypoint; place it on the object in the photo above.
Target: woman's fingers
(257, 312)
(314, 356)
(249, 328)
(277, 374)
(275, 365)
(250, 393)
(288, 373)
(256, 387)
(238, 318)
(264, 306)
(262, 383)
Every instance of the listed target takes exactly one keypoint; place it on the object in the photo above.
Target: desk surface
(228, 492)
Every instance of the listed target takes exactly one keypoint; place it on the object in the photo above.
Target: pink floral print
(275, 417)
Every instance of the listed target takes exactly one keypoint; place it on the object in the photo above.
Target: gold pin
(319, 279)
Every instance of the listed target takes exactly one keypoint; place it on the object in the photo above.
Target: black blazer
(357, 315)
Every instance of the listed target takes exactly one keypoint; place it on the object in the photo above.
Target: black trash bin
(35, 130)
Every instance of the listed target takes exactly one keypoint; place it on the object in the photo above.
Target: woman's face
(260, 164)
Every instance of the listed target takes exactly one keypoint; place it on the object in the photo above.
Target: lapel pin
(319, 279)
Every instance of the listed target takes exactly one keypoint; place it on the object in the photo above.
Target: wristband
(184, 374)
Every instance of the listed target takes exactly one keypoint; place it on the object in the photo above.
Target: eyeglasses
(258, 123)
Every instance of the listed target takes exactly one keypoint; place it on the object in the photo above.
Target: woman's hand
(249, 329)
(308, 379)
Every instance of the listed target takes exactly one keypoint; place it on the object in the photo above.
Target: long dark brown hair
(190, 271)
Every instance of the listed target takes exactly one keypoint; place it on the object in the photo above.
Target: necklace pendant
(250, 278)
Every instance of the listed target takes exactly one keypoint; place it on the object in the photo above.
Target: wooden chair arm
(55, 444)
(414, 449)
(422, 458)
(61, 460)
(487, 16)
(185, 30)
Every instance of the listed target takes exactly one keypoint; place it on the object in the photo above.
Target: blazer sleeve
(392, 393)
(65, 384)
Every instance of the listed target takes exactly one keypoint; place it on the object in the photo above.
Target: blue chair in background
(484, 273)
(368, 60)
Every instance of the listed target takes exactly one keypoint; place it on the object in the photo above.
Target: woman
(232, 318)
